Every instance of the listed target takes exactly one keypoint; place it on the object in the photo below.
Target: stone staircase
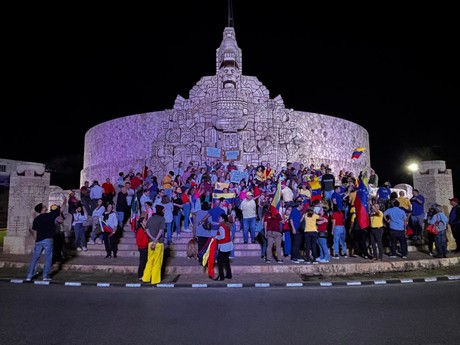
(127, 246)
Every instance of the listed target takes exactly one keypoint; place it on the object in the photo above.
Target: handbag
(207, 225)
(433, 228)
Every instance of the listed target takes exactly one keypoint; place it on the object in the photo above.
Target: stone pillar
(434, 181)
(29, 185)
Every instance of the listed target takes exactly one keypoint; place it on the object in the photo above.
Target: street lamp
(413, 167)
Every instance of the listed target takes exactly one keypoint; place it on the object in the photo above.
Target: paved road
(418, 313)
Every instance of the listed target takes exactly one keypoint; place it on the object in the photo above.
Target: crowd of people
(301, 213)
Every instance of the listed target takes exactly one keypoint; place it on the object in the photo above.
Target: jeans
(47, 246)
(376, 235)
(176, 219)
(287, 244)
(169, 232)
(324, 250)
(311, 240)
(398, 236)
(187, 208)
(249, 225)
(441, 243)
(418, 224)
(80, 238)
(339, 239)
(232, 234)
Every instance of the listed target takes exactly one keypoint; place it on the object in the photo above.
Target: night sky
(394, 71)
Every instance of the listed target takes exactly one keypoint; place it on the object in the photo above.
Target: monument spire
(230, 14)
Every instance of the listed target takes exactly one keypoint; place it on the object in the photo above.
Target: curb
(237, 285)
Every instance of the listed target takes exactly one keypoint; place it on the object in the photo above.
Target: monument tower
(229, 116)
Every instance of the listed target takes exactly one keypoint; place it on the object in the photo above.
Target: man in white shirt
(248, 208)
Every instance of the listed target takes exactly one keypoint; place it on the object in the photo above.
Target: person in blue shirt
(397, 220)
(418, 214)
(383, 196)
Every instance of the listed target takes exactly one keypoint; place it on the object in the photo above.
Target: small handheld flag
(357, 152)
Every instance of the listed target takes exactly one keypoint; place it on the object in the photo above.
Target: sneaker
(98, 241)
(392, 256)
(85, 249)
(28, 279)
(280, 261)
(79, 249)
(268, 261)
(430, 254)
(46, 279)
(301, 260)
(336, 257)
(404, 257)
(315, 262)
(90, 242)
(295, 261)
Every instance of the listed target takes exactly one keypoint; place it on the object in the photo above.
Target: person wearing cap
(454, 221)
(249, 210)
(43, 230)
(418, 214)
(156, 226)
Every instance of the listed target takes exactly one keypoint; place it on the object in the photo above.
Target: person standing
(79, 219)
(295, 218)
(273, 234)
(454, 221)
(108, 191)
(418, 213)
(224, 247)
(249, 210)
(44, 228)
(142, 241)
(397, 219)
(440, 239)
(109, 238)
(376, 232)
(156, 226)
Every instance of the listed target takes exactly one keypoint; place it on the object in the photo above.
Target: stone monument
(229, 116)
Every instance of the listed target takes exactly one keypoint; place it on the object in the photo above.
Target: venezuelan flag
(362, 203)
(357, 152)
(315, 189)
(277, 198)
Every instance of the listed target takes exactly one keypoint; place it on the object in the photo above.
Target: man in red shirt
(108, 191)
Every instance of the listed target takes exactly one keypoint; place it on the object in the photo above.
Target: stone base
(18, 245)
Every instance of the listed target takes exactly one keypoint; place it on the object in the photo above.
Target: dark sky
(394, 71)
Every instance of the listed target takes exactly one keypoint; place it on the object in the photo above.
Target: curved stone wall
(128, 142)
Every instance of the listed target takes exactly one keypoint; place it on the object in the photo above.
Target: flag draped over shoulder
(362, 203)
(135, 212)
(357, 152)
(106, 228)
(276, 202)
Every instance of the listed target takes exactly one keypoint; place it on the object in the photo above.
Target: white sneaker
(90, 242)
(85, 249)
(79, 249)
